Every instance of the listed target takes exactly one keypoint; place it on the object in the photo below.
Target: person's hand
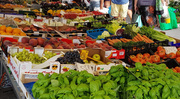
(135, 7)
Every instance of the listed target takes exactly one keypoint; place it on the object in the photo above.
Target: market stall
(65, 51)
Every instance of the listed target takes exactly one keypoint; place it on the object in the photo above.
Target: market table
(16, 88)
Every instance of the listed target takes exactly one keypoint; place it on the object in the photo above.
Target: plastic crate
(95, 32)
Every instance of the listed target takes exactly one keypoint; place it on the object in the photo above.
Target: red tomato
(156, 53)
(155, 58)
(139, 56)
(171, 55)
(178, 69)
(178, 48)
(178, 53)
(178, 59)
(149, 60)
(142, 61)
(174, 71)
(161, 53)
(159, 48)
(132, 56)
(165, 57)
(146, 55)
(135, 60)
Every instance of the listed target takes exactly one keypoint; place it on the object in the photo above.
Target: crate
(95, 32)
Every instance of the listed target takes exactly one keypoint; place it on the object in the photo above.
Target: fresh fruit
(139, 55)
(178, 53)
(70, 57)
(178, 59)
(155, 58)
(146, 55)
(40, 41)
(132, 56)
(96, 57)
(171, 55)
(3, 28)
(161, 53)
(9, 29)
(136, 60)
(25, 40)
(48, 46)
(33, 42)
(159, 48)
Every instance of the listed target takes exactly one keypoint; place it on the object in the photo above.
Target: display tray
(28, 87)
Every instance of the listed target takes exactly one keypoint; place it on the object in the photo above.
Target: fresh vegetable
(151, 33)
(112, 28)
(103, 35)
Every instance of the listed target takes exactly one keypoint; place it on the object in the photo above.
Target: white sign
(14, 16)
(170, 49)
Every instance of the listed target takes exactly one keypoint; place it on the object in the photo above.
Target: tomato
(174, 71)
(159, 48)
(149, 60)
(155, 58)
(161, 53)
(167, 68)
(146, 55)
(156, 53)
(132, 56)
(178, 48)
(178, 53)
(139, 56)
(178, 59)
(142, 61)
(171, 55)
(178, 70)
(135, 60)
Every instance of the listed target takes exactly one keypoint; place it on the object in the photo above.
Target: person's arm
(101, 4)
(135, 5)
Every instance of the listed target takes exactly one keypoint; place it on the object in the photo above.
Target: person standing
(119, 9)
(147, 9)
(129, 12)
(93, 4)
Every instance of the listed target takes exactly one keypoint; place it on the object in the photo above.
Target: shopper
(93, 4)
(105, 3)
(119, 9)
(129, 12)
(147, 9)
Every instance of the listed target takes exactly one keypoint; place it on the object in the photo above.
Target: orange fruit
(3, 28)
(16, 31)
(23, 34)
(9, 29)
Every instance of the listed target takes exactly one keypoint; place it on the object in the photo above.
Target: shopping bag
(134, 17)
(139, 21)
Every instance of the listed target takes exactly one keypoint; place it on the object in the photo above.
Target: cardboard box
(67, 67)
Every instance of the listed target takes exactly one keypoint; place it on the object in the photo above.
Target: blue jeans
(94, 4)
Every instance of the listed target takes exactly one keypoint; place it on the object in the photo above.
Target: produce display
(11, 31)
(87, 54)
(34, 58)
(70, 57)
(156, 35)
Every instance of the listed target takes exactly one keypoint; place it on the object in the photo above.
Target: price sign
(36, 33)
(38, 17)
(56, 18)
(79, 34)
(171, 49)
(1, 15)
(99, 41)
(76, 41)
(114, 55)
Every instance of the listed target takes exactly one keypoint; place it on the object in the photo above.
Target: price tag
(76, 41)
(30, 76)
(46, 21)
(27, 19)
(79, 34)
(121, 53)
(56, 18)
(114, 55)
(38, 17)
(99, 41)
(36, 33)
(171, 49)
(124, 64)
